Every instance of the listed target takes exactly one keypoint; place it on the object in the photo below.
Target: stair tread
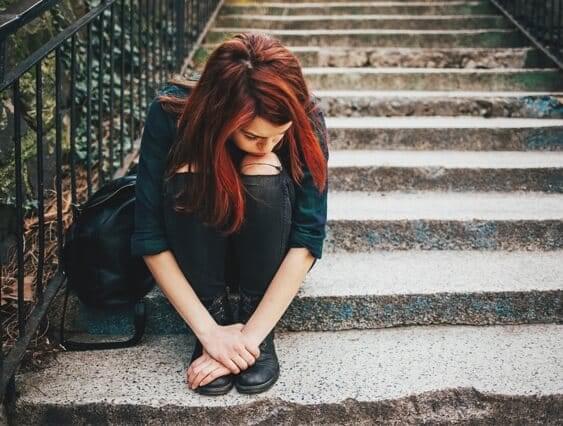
(450, 122)
(419, 70)
(437, 205)
(322, 31)
(434, 93)
(344, 17)
(383, 273)
(324, 4)
(389, 363)
(446, 158)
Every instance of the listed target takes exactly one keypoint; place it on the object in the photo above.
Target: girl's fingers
(199, 360)
(202, 374)
(218, 372)
(240, 361)
(248, 357)
(195, 371)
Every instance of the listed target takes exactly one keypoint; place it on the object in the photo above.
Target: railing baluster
(19, 202)
(58, 149)
(101, 101)
(111, 98)
(73, 124)
(134, 73)
(89, 109)
(122, 84)
(40, 183)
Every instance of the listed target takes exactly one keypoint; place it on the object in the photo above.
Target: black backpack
(97, 259)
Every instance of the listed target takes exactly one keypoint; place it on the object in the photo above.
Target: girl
(231, 191)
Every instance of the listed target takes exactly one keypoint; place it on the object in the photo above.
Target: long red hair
(251, 74)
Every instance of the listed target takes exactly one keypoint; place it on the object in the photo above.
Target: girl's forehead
(263, 127)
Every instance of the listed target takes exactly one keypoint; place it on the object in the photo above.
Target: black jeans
(247, 259)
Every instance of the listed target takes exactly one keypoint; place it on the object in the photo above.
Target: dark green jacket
(309, 214)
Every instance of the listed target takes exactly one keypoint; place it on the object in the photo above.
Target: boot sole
(258, 388)
(214, 391)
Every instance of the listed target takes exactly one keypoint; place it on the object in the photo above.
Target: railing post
(180, 12)
(2, 59)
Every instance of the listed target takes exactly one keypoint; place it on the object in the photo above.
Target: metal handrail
(539, 21)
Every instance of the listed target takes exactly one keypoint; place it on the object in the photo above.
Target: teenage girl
(231, 192)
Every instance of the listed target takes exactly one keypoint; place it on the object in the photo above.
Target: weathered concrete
(459, 106)
(385, 289)
(463, 7)
(348, 22)
(348, 1)
(384, 37)
(495, 374)
(437, 133)
(395, 170)
(369, 221)
(549, 79)
(413, 57)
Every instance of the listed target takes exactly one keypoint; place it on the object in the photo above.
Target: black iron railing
(107, 64)
(541, 21)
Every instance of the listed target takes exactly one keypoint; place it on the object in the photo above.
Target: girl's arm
(279, 294)
(218, 340)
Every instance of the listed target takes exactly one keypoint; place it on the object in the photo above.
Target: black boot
(220, 310)
(260, 376)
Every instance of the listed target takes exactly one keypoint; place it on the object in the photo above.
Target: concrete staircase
(445, 213)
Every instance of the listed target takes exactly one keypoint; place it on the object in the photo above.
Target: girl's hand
(204, 370)
(230, 347)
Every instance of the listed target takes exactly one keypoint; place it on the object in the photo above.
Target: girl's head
(251, 98)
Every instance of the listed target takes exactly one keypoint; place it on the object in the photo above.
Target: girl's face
(259, 137)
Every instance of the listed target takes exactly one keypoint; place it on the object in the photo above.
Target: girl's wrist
(253, 336)
(206, 333)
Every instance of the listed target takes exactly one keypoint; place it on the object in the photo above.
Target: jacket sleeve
(310, 210)
(149, 235)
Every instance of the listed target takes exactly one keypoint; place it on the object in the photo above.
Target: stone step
(383, 37)
(496, 110)
(438, 374)
(342, 78)
(348, 1)
(409, 57)
(362, 221)
(386, 289)
(445, 133)
(409, 170)
(462, 7)
(348, 22)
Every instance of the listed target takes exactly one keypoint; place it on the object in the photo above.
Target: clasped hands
(226, 349)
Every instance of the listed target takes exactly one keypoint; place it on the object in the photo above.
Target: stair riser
(445, 179)
(436, 234)
(538, 80)
(483, 8)
(466, 139)
(541, 106)
(491, 38)
(410, 57)
(467, 403)
(430, 23)
(352, 312)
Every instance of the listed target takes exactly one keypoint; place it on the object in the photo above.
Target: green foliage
(36, 34)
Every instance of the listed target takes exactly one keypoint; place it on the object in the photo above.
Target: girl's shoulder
(173, 89)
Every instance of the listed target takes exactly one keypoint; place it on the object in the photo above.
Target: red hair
(252, 74)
